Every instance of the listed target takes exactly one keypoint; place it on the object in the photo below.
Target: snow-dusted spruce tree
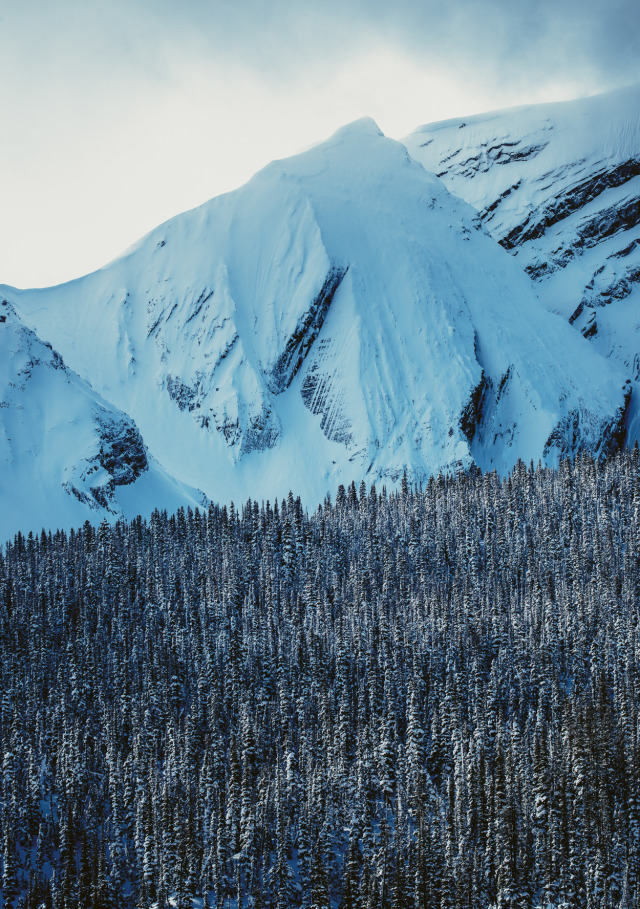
(424, 699)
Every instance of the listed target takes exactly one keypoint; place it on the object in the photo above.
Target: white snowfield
(65, 453)
(559, 186)
(342, 316)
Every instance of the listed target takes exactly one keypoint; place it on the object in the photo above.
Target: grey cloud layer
(493, 40)
(517, 39)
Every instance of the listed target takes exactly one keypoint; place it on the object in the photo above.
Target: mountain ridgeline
(558, 186)
(65, 452)
(427, 699)
(347, 315)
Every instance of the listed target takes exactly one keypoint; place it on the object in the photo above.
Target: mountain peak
(364, 126)
(340, 316)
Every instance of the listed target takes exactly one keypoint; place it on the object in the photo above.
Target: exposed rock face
(323, 394)
(559, 187)
(305, 333)
(341, 316)
(570, 437)
(574, 198)
(472, 412)
(122, 452)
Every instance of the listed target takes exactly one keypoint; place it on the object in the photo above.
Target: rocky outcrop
(122, 453)
(574, 199)
(305, 333)
(569, 213)
(472, 411)
(576, 433)
(323, 394)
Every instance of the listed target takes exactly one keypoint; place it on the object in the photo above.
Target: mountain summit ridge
(558, 185)
(341, 316)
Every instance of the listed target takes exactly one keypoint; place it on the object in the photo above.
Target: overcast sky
(117, 114)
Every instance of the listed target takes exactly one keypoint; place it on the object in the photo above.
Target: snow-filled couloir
(340, 316)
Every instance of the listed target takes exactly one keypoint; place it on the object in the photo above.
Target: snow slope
(558, 185)
(65, 454)
(340, 316)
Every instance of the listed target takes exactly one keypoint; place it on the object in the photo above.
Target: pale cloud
(116, 114)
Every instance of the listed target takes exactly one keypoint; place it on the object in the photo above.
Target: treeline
(420, 700)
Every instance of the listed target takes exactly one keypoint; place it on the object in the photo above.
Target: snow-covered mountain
(341, 316)
(558, 185)
(65, 454)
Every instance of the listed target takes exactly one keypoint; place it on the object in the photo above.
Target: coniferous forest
(425, 699)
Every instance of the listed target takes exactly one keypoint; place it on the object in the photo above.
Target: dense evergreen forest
(425, 699)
